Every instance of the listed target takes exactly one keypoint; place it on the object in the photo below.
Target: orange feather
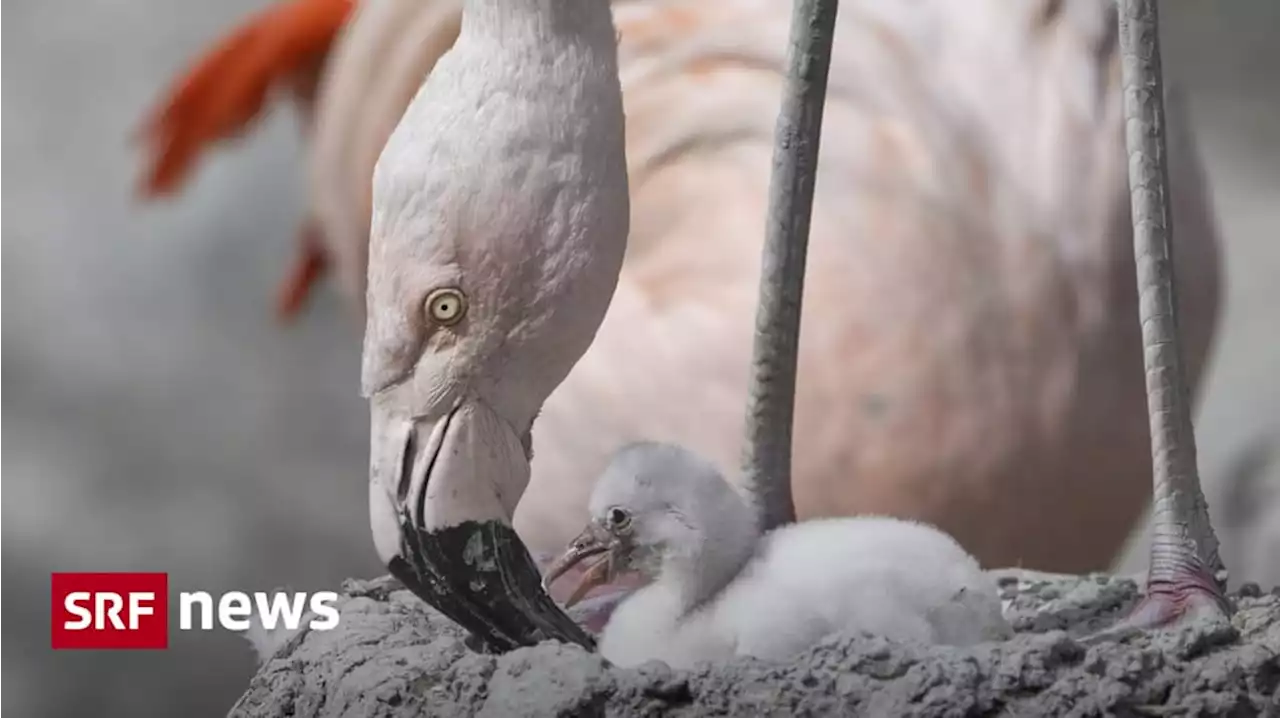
(311, 264)
(285, 45)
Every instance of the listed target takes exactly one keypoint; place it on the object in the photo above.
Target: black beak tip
(481, 576)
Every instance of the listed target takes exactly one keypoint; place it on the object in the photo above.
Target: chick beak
(594, 541)
(442, 492)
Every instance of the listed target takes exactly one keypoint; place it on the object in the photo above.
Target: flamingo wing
(226, 89)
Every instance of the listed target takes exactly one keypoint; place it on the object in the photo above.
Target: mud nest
(394, 656)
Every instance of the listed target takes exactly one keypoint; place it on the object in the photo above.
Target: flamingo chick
(667, 513)
(500, 220)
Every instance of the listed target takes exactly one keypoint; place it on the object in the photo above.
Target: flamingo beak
(442, 491)
(593, 542)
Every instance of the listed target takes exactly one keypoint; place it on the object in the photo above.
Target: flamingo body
(969, 356)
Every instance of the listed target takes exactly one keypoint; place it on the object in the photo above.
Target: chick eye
(446, 306)
(618, 518)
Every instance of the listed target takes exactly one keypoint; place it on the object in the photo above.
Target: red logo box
(110, 610)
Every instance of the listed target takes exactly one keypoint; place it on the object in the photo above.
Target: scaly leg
(1186, 574)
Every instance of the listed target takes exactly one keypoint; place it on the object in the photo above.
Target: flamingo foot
(1172, 601)
(1188, 597)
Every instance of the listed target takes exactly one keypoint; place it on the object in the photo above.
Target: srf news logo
(131, 610)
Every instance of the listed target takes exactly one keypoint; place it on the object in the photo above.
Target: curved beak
(441, 494)
(594, 541)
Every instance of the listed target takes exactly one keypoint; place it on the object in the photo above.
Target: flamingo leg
(775, 354)
(1186, 574)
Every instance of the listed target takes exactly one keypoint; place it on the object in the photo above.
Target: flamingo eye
(619, 519)
(446, 306)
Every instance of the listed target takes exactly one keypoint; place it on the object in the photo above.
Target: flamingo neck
(521, 23)
(698, 576)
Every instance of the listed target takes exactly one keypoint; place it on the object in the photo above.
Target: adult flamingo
(970, 354)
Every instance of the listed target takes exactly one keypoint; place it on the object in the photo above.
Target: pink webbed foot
(1187, 596)
(1170, 602)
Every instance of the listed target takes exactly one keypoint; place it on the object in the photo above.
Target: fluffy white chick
(721, 589)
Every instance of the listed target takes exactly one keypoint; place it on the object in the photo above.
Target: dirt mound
(394, 656)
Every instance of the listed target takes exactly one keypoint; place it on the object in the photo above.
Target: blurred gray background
(156, 418)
